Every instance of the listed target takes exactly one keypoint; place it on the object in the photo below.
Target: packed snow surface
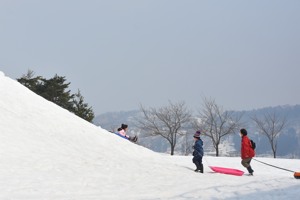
(47, 152)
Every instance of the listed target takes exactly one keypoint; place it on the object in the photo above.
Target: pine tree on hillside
(81, 109)
(31, 82)
(56, 90)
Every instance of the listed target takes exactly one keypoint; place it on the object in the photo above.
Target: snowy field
(48, 153)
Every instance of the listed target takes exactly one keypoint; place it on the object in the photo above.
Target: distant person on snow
(122, 131)
(198, 152)
(247, 152)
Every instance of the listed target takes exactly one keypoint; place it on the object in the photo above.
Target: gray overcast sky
(122, 53)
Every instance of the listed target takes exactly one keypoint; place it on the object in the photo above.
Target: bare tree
(271, 125)
(166, 122)
(216, 123)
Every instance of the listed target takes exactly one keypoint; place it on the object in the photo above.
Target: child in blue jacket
(198, 152)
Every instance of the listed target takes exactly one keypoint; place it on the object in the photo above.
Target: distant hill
(111, 121)
(288, 142)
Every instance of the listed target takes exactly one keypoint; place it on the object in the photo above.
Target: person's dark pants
(198, 162)
(246, 163)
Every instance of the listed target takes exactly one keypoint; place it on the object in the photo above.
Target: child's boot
(201, 168)
(250, 170)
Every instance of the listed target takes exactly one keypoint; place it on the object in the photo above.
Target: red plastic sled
(224, 170)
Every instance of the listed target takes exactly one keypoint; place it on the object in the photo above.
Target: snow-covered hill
(47, 152)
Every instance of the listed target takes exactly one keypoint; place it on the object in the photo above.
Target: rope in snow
(274, 166)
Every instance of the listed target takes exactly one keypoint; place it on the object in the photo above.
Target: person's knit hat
(123, 126)
(197, 134)
(243, 131)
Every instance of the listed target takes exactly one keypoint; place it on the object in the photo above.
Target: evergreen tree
(81, 109)
(56, 90)
(31, 82)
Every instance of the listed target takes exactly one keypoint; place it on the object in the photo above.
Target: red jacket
(246, 149)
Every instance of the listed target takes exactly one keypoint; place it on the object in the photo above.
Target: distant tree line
(56, 90)
(175, 119)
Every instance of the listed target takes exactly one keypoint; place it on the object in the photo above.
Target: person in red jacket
(247, 152)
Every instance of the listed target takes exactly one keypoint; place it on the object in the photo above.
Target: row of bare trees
(175, 119)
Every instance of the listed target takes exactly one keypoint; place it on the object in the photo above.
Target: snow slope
(47, 152)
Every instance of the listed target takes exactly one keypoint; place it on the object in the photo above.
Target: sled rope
(273, 166)
(206, 160)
